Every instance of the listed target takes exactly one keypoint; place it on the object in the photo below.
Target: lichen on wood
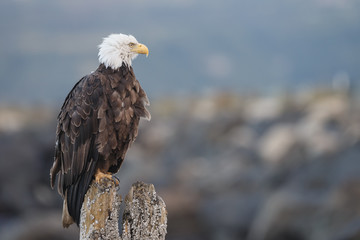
(145, 215)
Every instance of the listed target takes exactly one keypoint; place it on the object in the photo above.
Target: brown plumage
(96, 125)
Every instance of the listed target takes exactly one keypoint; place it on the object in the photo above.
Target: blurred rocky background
(228, 166)
(255, 113)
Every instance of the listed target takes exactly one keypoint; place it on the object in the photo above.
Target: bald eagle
(97, 123)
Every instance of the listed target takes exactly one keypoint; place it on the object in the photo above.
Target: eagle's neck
(121, 70)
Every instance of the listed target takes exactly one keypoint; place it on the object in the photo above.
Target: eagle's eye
(131, 44)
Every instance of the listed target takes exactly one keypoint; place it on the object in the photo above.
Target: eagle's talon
(116, 180)
(99, 175)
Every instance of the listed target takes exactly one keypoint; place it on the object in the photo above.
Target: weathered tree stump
(144, 217)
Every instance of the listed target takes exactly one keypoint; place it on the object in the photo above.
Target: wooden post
(145, 215)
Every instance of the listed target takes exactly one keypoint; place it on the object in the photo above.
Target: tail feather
(67, 220)
(76, 192)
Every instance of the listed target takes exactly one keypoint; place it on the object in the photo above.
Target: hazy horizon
(195, 46)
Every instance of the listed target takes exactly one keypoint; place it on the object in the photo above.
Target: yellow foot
(99, 175)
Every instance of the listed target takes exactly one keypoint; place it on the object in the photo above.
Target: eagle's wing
(76, 153)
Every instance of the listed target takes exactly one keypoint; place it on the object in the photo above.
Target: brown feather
(76, 119)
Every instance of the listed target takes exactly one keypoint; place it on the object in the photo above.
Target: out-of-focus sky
(195, 45)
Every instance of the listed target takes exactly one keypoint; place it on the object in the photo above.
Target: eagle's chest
(118, 122)
(120, 98)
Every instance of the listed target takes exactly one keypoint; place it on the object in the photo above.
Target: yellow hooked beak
(140, 48)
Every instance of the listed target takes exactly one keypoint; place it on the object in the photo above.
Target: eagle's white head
(117, 49)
